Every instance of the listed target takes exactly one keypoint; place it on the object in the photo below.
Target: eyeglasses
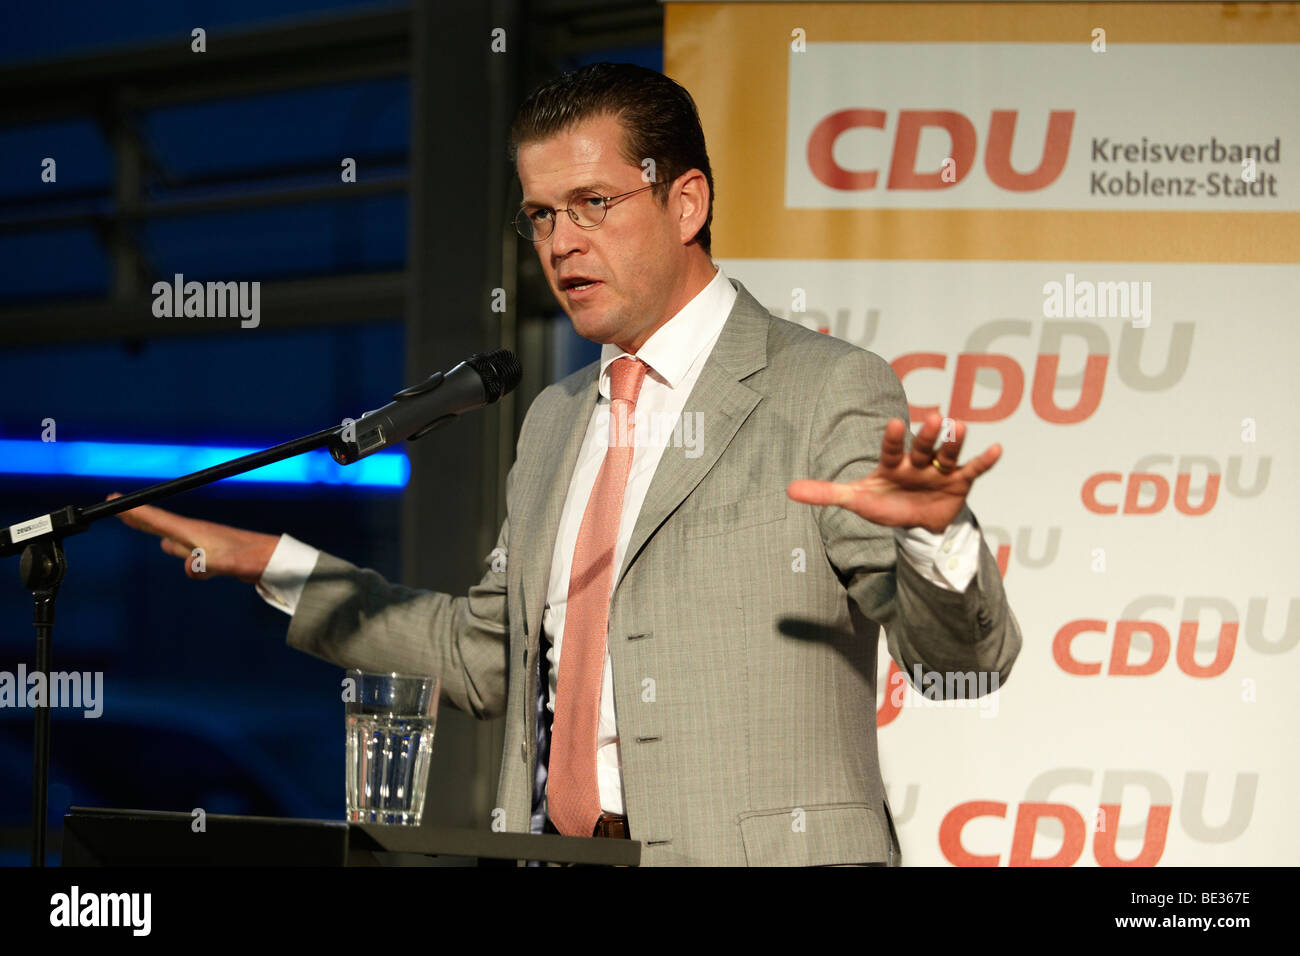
(588, 209)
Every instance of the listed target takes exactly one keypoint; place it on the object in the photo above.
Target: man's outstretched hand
(906, 490)
(226, 550)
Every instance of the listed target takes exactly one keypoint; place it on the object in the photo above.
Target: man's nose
(567, 236)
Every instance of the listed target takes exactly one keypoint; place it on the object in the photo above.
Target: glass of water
(390, 724)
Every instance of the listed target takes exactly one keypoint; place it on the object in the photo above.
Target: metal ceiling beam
(321, 300)
(133, 211)
(308, 53)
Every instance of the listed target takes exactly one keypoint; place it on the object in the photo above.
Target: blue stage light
(93, 459)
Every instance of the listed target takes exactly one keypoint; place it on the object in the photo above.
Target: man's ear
(692, 192)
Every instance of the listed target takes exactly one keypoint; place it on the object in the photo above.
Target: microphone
(414, 412)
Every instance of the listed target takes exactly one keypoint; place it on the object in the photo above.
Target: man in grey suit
(681, 637)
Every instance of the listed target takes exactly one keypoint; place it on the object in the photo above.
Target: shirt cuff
(286, 573)
(948, 560)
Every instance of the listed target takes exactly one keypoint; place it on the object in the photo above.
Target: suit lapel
(723, 401)
(718, 394)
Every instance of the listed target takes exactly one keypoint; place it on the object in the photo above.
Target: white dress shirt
(676, 354)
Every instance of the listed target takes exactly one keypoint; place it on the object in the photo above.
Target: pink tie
(573, 796)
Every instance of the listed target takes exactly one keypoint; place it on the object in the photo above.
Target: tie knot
(625, 377)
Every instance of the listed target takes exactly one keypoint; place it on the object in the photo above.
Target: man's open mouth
(578, 284)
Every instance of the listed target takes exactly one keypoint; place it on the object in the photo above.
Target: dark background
(224, 166)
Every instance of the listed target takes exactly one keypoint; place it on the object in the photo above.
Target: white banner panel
(1041, 126)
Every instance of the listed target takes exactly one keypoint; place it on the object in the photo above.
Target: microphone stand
(43, 563)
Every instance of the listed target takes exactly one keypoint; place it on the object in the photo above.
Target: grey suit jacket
(742, 627)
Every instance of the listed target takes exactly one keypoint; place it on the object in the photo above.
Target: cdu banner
(1076, 228)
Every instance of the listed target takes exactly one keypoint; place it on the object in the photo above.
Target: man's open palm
(907, 490)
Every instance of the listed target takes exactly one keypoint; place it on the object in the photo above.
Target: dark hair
(658, 117)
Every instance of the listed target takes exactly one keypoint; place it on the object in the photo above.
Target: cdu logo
(1045, 832)
(1140, 646)
(1008, 377)
(963, 137)
(1145, 491)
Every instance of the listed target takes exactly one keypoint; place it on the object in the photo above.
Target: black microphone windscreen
(500, 371)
